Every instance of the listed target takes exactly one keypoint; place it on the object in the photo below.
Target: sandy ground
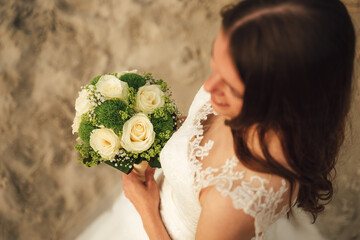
(49, 48)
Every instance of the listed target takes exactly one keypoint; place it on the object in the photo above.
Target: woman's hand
(146, 199)
(143, 195)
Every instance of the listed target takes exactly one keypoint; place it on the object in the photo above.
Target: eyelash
(233, 91)
(236, 94)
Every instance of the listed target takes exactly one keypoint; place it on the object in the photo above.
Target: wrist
(151, 219)
(154, 226)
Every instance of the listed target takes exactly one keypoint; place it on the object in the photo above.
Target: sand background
(49, 48)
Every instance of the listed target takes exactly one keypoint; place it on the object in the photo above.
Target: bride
(260, 141)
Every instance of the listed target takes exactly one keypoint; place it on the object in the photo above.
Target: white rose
(111, 87)
(82, 103)
(138, 134)
(148, 98)
(119, 74)
(105, 142)
(76, 124)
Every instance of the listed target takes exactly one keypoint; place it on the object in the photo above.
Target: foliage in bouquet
(124, 118)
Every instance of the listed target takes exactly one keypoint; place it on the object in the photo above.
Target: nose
(212, 83)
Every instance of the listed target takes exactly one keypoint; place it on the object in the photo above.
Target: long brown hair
(295, 58)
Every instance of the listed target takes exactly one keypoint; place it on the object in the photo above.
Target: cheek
(237, 106)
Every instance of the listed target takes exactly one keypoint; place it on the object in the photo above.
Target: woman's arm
(220, 220)
(146, 199)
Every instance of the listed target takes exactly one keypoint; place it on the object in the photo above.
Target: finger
(149, 174)
(129, 178)
(124, 177)
(133, 176)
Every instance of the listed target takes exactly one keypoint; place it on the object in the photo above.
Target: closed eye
(236, 94)
(233, 90)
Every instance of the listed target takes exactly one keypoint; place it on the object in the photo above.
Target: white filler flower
(105, 142)
(76, 124)
(111, 87)
(148, 98)
(138, 134)
(82, 103)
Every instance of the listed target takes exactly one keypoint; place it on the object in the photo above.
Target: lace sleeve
(265, 200)
(262, 198)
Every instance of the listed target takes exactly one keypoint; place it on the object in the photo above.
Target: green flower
(111, 114)
(133, 80)
(85, 129)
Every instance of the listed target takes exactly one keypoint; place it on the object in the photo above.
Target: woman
(262, 134)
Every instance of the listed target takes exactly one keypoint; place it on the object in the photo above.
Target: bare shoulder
(220, 220)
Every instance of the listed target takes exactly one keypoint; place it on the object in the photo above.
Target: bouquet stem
(139, 170)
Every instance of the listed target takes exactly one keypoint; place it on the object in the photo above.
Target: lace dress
(184, 175)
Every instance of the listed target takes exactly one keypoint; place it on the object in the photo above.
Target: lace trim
(196, 151)
(251, 196)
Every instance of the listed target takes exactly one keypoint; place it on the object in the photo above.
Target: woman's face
(224, 84)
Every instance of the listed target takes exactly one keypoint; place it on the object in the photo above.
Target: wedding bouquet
(123, 119)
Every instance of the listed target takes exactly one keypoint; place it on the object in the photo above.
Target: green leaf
(95, 80)
(154, 163)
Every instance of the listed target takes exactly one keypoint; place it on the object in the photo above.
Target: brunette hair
(295, 58)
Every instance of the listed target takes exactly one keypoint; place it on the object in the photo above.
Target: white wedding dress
(183, 176)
